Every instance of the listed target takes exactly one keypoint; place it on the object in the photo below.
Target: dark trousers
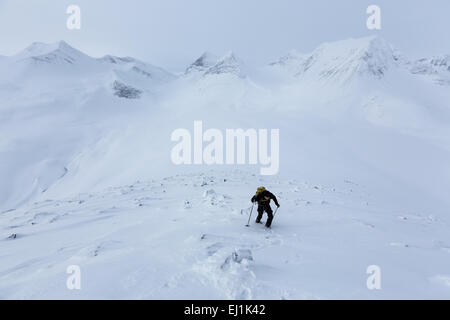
(265, 207)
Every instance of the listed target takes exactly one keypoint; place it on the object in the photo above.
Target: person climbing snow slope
(263, 197)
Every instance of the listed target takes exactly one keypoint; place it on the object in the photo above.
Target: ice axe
(250, 216)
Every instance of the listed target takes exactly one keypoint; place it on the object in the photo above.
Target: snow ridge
(208, 64)
(341, 61)
(55, 53)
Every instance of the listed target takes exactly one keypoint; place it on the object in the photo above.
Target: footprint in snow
(238, 256)
(44, 217)
(101, 248)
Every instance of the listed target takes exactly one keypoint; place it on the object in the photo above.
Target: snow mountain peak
(40, 48)
(205, 61)
(228, 64)
(60, 64)
(371, 56)
(51, 53)
(342, 61)
(210, 64)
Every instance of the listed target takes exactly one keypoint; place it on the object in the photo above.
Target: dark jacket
(261, 198)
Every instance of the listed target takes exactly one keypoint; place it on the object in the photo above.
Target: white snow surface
(184, 237)
(86, 177)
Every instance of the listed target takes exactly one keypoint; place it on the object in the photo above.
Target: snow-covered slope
(292, 63)
(342, 61)
(55, 103)
(51, 54)
(383, 85)
(208, 64)
(184, 237)
(437, 68)
(58, 67)
(216, 83)
(203, 63)
(228, 64)
(130, 76)
(355, 119)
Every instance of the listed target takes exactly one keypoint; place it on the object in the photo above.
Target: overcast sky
(171, 33)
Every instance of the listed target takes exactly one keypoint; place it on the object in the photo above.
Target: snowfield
(184, 236)
(86, 177)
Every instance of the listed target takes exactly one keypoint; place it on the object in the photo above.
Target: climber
(263, 197)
